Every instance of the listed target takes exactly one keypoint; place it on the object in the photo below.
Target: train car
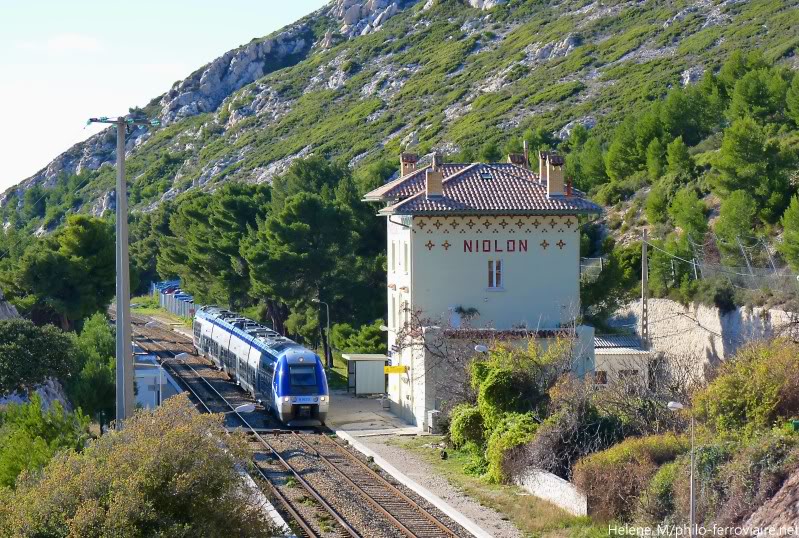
(285, 376)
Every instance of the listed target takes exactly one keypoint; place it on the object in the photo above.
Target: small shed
(619, 357)
(365, 373)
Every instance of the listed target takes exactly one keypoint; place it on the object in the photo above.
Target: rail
(252, 431)
(397, 509)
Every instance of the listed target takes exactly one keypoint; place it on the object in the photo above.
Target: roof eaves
(563, 211)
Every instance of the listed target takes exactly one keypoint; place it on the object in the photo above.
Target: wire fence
(590, 268)
(747, 262)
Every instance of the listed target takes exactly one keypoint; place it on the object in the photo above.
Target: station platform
(364, 416)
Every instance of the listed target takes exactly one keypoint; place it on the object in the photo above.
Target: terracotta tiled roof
(409, 184)
(479, 188)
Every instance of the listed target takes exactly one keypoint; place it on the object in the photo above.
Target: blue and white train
(286, 377)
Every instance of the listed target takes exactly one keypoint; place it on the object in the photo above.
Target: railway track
(326, 489)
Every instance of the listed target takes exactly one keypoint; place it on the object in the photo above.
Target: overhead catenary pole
(124, 346)
(125, 402)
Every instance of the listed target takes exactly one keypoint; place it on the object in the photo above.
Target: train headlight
(286, 399)
(323, 398)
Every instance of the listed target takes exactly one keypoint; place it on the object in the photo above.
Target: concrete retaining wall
(556, 490)
(702, 332)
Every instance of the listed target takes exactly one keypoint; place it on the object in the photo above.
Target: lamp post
(328, 350)
(677, 406)
(178, 357)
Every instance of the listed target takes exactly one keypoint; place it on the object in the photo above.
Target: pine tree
(759, 94)
(622, 159)
(679, 158)
(657, 206)
(736, 217)
(654, 159)
(71, 273)
(688, 212)
(302, 253)
(749, 161)
(789, 247)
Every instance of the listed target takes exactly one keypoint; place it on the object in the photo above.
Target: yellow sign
(395, 369)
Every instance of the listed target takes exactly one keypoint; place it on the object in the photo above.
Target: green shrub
(629, 467)
(716, 292)
(755, 474)
(756, 388)
(514, 429)
(657, 502)
(466, 425)
(367, 339)
(477, 464)
(504, 391)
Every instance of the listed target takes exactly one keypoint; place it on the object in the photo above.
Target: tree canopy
(29, 354)
(71, 273)
(170, 472)
(31, 435)
(206, 232)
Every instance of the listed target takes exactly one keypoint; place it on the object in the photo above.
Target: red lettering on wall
(487, 245)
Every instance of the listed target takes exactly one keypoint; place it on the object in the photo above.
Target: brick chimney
(554, 175)
(434, 178)
(408, 163)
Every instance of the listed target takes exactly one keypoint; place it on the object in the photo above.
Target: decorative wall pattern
(490, 225)
(494, 224)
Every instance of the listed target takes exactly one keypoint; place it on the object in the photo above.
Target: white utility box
(365, 373)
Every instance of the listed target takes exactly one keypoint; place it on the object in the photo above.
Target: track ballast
(324, 487)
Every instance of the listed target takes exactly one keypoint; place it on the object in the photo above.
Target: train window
(302, 376)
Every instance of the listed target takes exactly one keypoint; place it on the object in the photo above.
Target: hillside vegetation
(437, 75)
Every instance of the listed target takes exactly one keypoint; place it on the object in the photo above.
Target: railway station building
(477, 253)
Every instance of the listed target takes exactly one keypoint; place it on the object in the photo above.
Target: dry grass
(533, 516)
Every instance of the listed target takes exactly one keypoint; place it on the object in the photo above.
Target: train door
(230, 356)
(266, 371)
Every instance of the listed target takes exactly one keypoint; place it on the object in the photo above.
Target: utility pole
(644, 293)
(328, 348)
(125, 403)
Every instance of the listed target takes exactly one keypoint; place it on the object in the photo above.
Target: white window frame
(496, 267)
(393, 256)
(406, 256)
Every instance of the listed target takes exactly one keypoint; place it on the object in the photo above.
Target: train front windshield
(302, 379)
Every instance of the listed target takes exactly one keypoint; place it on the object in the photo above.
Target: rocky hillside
(362, 79)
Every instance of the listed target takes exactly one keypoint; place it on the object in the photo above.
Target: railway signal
(125, 403)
